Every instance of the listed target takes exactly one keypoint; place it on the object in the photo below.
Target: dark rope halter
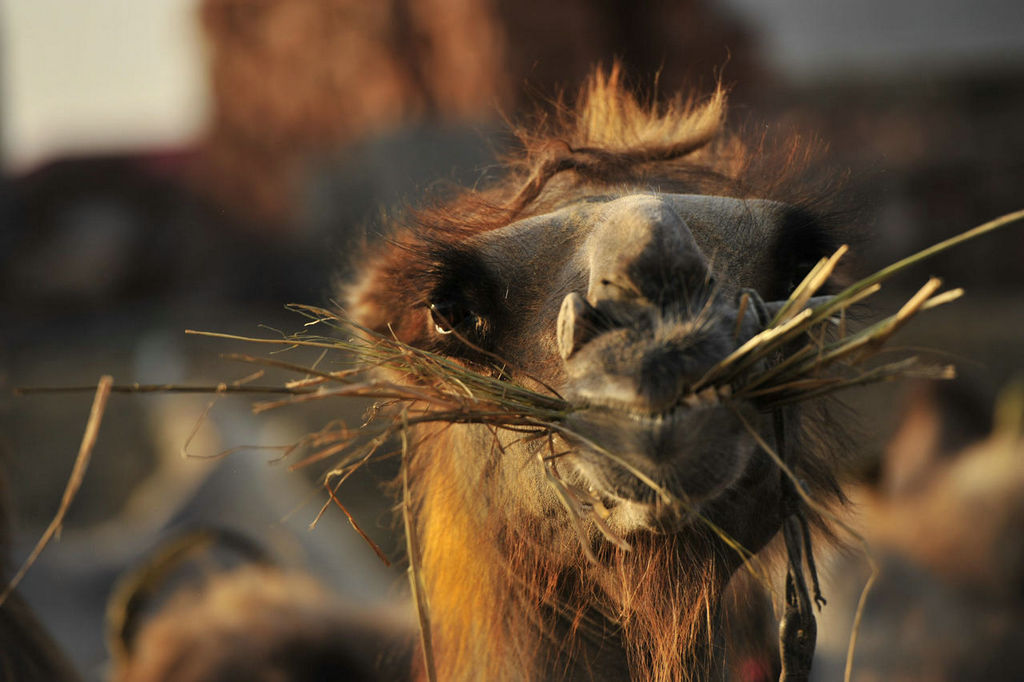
(798, 629)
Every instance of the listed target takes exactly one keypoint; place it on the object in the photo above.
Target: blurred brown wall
(295, 79)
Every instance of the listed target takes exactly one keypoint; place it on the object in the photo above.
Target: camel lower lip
(710, 397)
(689, 453)
(626, 513)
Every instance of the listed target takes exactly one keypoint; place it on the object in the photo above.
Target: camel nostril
(576, 324)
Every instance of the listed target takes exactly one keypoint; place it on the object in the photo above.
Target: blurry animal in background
(607, 266)
(192, 613)
(263, 625)
(945, 525)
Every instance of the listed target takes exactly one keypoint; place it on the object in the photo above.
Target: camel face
(607, 266)
(622, 303)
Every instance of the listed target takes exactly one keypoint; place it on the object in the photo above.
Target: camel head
(622, 303)
(629, 250)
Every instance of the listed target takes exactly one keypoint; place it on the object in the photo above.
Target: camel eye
(800, 272)
(439, 325)
(451, 319)
(801, 242)
(447, 317)
(461, 304)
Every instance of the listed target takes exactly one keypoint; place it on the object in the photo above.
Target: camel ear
(409, 324)
(388, 296)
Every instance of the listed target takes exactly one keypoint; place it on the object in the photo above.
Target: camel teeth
(691, 400)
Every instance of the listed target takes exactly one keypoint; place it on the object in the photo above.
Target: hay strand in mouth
(164, 388)
(789, 379)
(332, 492)
(580, 505)
(812, 283)
(437, 389)
(764, 370)
(415, 578)
(92, 429)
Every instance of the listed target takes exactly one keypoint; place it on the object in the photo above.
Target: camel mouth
(626, 514)
(656, 438)
(643, 412)
(691, 453)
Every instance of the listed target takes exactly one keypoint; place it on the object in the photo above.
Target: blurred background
(198, 164)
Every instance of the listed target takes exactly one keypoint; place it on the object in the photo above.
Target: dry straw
(808, 351)
(803, 352)
(92, 430)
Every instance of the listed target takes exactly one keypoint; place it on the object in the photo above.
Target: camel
(943, 521)
(606, 267)
(260, 623)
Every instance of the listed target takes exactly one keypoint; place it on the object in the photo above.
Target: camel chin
(694, 454)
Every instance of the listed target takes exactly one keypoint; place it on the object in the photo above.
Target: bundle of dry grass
(805, 335)
(801, 349)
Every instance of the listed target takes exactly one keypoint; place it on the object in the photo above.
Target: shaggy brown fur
(511, 595)
(509, 602)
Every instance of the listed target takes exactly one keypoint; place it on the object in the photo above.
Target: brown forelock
(609, 143)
